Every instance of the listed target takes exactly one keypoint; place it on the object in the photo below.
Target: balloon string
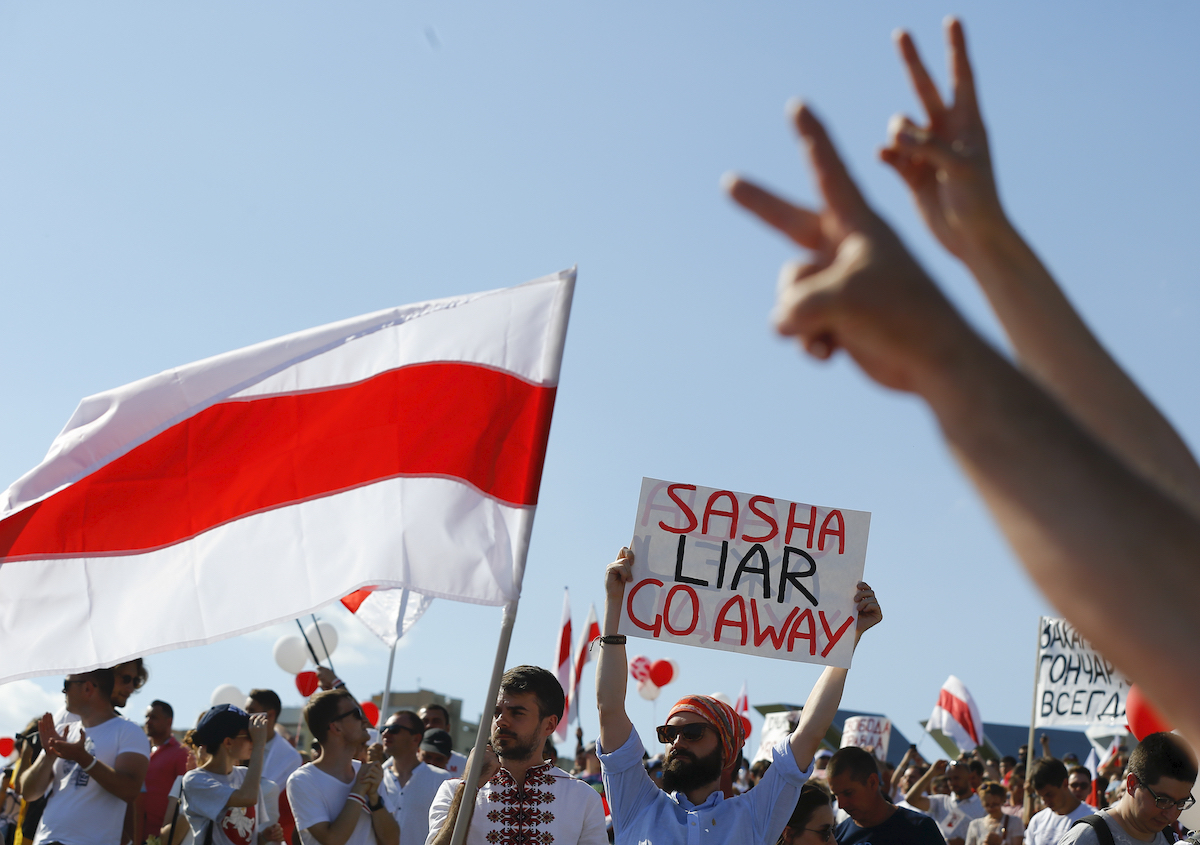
(324, 647)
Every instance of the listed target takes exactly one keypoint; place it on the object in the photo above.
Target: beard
(683, 771)
(515, 747)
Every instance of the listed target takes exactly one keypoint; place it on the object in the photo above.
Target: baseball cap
(437, 741)
(220, 723)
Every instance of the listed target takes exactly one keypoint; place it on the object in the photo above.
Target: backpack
(1098, 824)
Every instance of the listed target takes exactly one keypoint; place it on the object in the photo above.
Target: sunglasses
(692, 733)
(67, 683)
(391, 729)
(356, 713)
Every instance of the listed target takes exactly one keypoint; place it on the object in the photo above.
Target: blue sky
(180, 181)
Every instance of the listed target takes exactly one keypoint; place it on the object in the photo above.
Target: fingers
(837, 187)
(799, 224)
(927, 92)
(962, 77)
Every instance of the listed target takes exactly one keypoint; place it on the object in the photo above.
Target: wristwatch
(378, 805)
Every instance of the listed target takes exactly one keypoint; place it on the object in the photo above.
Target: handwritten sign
(869, 732)
(776, 727)
(746, 573)
(1076, 685)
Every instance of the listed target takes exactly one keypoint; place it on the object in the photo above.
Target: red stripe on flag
(354, 601)
(483, 426)
(958, 709)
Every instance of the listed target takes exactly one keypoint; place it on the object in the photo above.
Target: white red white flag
(957, 716)
(583, 656)
(388, 614)
(742, 708)
(562, 662)
(398, 449)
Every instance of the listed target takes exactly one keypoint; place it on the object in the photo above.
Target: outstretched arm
(947, 165)
(1075, 514)
(826, 695)
(612, 666)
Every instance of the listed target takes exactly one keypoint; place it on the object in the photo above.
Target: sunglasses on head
(692, 733)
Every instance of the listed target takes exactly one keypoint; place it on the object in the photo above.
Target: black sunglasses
(692, 733)
(356, 713)
(391, 729)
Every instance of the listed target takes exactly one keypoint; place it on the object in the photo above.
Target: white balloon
(291, 654)
(227, 694)
(648, 690)
(721, 697)
(674, 669)
(331, 639)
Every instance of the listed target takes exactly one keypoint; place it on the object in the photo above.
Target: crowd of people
(1079, 467)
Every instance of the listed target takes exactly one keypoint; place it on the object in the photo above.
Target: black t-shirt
(903, 827)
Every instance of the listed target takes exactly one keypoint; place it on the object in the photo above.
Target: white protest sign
(869, 732)
(747, 573)
(1076, 685)
(776, 727)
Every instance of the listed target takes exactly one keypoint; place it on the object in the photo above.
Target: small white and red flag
(957, 716)
(742, 708)
(388, 614)
(583, 655)
(562, 663)
(400, 449)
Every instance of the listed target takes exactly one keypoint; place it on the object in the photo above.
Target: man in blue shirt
(854, 781)
(704, 738)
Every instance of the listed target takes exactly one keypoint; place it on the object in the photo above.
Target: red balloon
(6, 746)
(662, 672)
(746, 726)
(371, 712)
(1141, 716)
(307, 683)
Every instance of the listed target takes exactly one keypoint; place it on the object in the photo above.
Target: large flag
(562, 663)
(388, 614)
(583, 655)
(956, 716)
(399, 449)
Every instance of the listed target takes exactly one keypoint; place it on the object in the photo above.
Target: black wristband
(613, 639)
(378, 805)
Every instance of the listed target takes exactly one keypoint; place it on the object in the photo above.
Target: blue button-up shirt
(643, 814)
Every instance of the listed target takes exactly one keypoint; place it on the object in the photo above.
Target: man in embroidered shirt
(704, 738)
(409, 785)
(1162, 772)
(522, 798)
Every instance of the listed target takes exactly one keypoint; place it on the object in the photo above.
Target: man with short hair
(1079, 781)
(953, 812)
(280, 759)
(335, 798)
(437, 716)
(93, 769)
(1158, 785)
(854, 780)
(1048, 777)
(704, 738)
(168, 761)
(409, 785)
(522, 797)
(435, 748)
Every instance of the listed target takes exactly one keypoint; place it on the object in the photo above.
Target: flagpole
(1027, 801)
(387, 688)
(467, 805)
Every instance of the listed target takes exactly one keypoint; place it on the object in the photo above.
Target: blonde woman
(997, 827)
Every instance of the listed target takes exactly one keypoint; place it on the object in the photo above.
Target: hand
(274, 833)
(260, 731)
(618, 574)
(491, 764)
(47, 733)
(939, 767)
(946, 164)
(867, 607)
(326, 677)
(994, 838)
(860, 289)
(370, 776)
(76, 752)
(579, 734)
(375, 753)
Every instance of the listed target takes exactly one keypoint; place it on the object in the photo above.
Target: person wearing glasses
(335, 798)
(812, 821)
(93, 768)
(854, 781)
(409, 785)
(704, 738)
(1158, 787)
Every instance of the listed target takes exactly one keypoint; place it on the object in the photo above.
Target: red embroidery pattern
(522, 812)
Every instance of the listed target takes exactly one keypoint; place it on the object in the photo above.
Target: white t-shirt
(1010, 826)
(317, 797)
(205, 795)
(176, 791)
(1047, 827)
(81, 811)
(280, 760)
(456, 765)
(409, 804)
(952, 815)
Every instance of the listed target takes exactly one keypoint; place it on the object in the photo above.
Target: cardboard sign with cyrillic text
(870, 732)
(745, 572)
(1076, 684)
